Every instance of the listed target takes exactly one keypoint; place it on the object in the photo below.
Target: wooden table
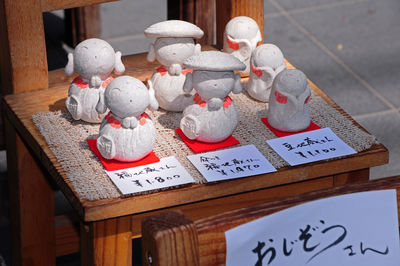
(107, 226)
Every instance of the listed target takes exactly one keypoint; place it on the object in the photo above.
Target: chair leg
(107, 242)
(31, 205)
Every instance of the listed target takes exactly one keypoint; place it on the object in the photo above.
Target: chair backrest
(170, 238)
(23, 50)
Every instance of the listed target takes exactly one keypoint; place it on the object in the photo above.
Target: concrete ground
(349, 48)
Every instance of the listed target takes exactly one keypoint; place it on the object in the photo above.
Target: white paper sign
(350, 230)
(320, 144)
(167, 172)
(231, 163)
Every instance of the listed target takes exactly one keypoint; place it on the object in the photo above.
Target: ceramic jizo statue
(127, 133)
(174, 43)
(94, 60)
(241, 37)
(289, 101)
(213, 117)
(266, 62)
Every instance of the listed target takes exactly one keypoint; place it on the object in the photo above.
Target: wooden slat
(67, 234)
(27, 63)
(170, 239)
(51, 5)
(204, 18)
(32, 227)
(107, 242)
(208, 208)
(211, 230)
(228, 9)
(199, 12)
(82, 23)
(351, 177)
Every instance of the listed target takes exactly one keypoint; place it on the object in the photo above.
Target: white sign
(349, 230)
(231, 163)
(311, 146)
(167, 172)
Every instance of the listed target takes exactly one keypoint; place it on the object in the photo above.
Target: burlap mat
(66, 139)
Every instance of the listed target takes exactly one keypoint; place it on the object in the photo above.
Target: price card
(354, 229)
(310, 146)
(231, 163)
(167, 172)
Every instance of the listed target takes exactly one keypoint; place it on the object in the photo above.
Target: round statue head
(267, 55)
(126, 96)
(291, 81)
(174, 41)
(241, 37)
(213, 75)
(94, 60)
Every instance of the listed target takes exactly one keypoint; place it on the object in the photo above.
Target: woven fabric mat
(67, 140)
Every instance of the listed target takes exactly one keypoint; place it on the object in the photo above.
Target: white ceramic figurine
(241, 37)
(213, 117)
(266, 62)
(127, 132)
(174, 43)
(288, 103)
(94, 60)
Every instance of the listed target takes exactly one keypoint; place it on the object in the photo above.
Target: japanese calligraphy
(310, 146)
(330, 232)
(166, 173)
(305, 241)
(231, 163)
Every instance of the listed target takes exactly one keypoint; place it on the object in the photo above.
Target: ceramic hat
(214, 61)
(173, 29)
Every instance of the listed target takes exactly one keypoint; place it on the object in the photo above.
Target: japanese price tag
(167, 172)
(231, 163)
(311, 146)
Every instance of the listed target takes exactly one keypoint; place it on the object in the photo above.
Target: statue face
(173, 50)
(211, 84)
(94, 57)
(126, 96)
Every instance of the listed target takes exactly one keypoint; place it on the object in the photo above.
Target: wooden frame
(171, 238)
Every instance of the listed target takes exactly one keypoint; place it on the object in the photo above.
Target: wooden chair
(109, 224)
(171, 238)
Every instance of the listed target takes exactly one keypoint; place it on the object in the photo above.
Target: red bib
(78, 81)
(198, 100)
(116, 123)
(162, 70)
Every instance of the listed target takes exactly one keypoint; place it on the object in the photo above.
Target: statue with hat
(174, 44)
(213, 116)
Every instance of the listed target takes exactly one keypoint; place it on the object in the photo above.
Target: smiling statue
(213, 117)
(174, 43)
(127, 133)
(94, 60)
